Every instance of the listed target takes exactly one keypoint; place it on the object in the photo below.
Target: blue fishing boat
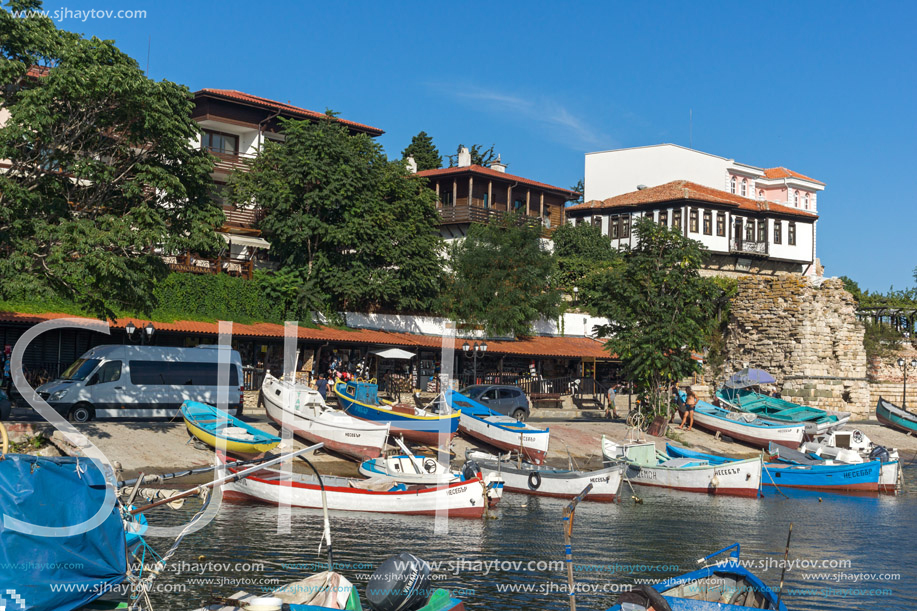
(427, 426)
(750, 428)
(816, 421)
(219, 430)
(895, 417)
(721, 586)
(834, 477)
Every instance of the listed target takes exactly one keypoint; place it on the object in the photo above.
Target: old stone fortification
(807, 336)
(886, 379)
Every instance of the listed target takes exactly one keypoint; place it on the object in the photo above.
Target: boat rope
(766, 470)
(326, 535)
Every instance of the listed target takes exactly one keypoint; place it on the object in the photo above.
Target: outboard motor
(401, 583)
(879, 453)
(471, 470)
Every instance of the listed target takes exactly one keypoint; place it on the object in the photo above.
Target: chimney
(464, 157)
(411, 165)
(498, 165)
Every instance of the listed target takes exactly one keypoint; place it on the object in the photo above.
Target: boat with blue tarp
(816, 421)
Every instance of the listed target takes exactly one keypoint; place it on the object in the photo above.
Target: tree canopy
(582, 253)
(661, 309)
(424, 152)
(501, 277)
(103, 177)
(360, 231)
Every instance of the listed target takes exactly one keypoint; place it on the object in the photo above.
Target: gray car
(508, 400)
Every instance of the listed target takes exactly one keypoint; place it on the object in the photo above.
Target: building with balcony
(753, 220)
(471, 193)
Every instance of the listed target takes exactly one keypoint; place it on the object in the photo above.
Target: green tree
(424, 152)
(479, 155)
(580, 189)
(661, 310)
(360, 231)
(502, 277)
(103, 176)
(582, 253)
(852, 287)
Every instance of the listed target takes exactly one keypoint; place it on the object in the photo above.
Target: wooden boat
(219, 430)
(541, 480)
(303, 411)
(360, 400)
(853, 447)
(784, 474)
(750, 428)
(498, 430)
(816, 421)
(895, 417)
(457, 499)
(647, 466)
(718, 586)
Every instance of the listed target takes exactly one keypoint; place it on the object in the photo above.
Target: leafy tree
(424, 152)
(479, 155)
(582, 252)
(502, 277)
(103, 176)
(661, 310)
(580, 188)
(360, 231)
(852, 287)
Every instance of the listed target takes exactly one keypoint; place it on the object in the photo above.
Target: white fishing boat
(503, 432)
(647, 466)
(303, 411)
(853, 447)
(542, 480)
(461, 499)
(747, 427)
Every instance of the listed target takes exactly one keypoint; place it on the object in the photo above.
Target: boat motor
(401, 583)
(471, 470)
(879, 453)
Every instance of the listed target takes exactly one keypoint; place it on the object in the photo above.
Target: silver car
(508, 400)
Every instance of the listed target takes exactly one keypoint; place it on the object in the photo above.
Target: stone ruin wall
(807, 336)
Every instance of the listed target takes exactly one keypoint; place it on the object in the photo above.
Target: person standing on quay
(321, 385)
(690, 403)
(610, 406)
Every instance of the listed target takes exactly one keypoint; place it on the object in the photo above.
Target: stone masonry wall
(807, 336)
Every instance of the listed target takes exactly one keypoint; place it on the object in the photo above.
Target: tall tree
(424, 152)
(661, 310)
(583, 253)
(479, 155)
(580, 189)
(360, 230)
(103, 176)
(502, 277)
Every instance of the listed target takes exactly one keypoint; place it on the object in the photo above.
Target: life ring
(429, 465)
(857, 436)
(534, 480)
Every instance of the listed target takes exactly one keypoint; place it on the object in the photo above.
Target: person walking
(690, 403)
(321, 385)
(610, 406)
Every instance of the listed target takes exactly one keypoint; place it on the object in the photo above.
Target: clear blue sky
(823, 88)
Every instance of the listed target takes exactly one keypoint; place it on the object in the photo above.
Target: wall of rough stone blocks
(886, 379)
(806, 335)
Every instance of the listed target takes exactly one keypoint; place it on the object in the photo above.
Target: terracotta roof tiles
(483, 171)
(782, 172)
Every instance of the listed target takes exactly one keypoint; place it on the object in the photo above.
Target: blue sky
(823, 88)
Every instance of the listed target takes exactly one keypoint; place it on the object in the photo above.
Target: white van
(142, 382)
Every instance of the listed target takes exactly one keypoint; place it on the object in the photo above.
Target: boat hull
(894, 417)
(530, 442)
(556, 483)
(816, 421)
(863, 477)
(202, 421)
(759, 435)
(339, 432)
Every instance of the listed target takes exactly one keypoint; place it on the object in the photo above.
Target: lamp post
(905, 367)
(474, 350)
(145, 336)
(575, 295)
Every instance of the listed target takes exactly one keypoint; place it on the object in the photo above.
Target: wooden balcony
(191, 264)
(748, 247)
(230, 162)
(242, 220)
(460, 215)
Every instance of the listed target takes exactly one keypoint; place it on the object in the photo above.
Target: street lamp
(905, 367)
(575, 294)
(474, 350)
(145, 337)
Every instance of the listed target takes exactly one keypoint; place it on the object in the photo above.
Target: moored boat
(360, 400)
(853, 447)
(647, 466)
(542, 480)
(303, 411)
(222, 431)
(747, 427)
(498, 430)
(816, 421)
(721, 586)
(895, 417)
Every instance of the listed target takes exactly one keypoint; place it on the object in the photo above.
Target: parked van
(142, 382)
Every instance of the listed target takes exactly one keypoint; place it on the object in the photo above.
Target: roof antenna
(149, 43)
(690, 128)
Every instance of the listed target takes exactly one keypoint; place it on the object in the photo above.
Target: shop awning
(245, 240)
(396, 354)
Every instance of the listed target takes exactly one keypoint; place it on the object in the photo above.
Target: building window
(693, 221)
(486, 201)
(447, 198)
(676, 220)
(762, 230)
(518, 204)
(664, 218)
(807, 201)
(791, 234)
(597, 222)
(796, 198)
(218, 142)
(732, 184)
(760, 193)
(721, 224)
(613, 227)
(625, 226)
(778, 225)
(749, 230)
(744, 187)
(708, 222)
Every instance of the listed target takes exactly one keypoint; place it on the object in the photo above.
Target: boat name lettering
(457, 490)
(351, 434)
(600, 479)
(732, 471)
(528, 438)
(859, 473)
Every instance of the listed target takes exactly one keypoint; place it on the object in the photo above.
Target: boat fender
(401, 583)
(715, 482)
(879, 453)
(429, 465)
(646, 597)
(471, 470)
(534, 480)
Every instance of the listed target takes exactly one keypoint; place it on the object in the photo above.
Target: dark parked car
(508, 400)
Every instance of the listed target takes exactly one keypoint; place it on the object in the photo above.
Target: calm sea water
(862, 543)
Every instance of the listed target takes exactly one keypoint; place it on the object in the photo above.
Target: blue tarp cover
(56, 492)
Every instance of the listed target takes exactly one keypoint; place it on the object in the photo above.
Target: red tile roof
(686, 190)
(572, 347)
(37, 71)
(782, 172)
(482, 171)
(287, 108)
